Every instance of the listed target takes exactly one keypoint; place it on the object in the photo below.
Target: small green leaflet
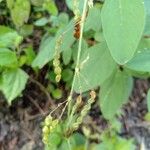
(96, 66)
(7, 57)
(50, 6)
(9, 37)
(20, 10)
(47, 46)
(114, 93)
(141, 62)
(123, 24)
(148, 100)
(13, 83)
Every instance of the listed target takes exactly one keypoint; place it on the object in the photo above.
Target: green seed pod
(55, 122)
(45, 129)
(57, 70)
(58, 78)
(56, 62)
(48, 120)
(45, 139)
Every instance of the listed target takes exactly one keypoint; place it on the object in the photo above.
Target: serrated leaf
(7, 57)
(20, 12)
(114, 93)
(13, 83)
(93, 70)
(123, 24)
(148, 100)
(47, 47)
(9, 37)
(140, 62)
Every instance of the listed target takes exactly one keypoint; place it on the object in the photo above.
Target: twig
(43, 89)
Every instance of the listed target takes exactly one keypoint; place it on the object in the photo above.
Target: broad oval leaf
(147, 24)
(13, 83)
(114, 93)
(94, 14)
(96, 66)
(123, 24)
(141, 62)
(7, 57)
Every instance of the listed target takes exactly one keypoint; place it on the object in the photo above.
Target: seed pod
(45, 129)
(56, 62)
(48, 120)
(58, 78)
(57, 70)
(93, 94)
(79, 100)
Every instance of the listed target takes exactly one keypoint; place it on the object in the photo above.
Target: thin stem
(69, 145)
(78, 55)
(86, 144)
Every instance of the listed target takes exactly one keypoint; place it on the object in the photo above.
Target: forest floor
(20, 124)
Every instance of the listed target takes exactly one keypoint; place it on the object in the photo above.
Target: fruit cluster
(49, 126)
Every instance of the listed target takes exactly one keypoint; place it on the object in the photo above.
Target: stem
(69, 145)
(86, 144)
(78, 55)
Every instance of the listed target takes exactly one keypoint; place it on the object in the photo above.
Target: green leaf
(93, 70)
(70, 4)
(13, 83)
(141, 62)
(123, 24)
(94, 14)
(9, 37)
(50, 6)
(67, 75)
(30, 54)
(66, 55)
(10, 3)
(47, 46)
(7, 57)
(148, 100)
(57, 93)
(37, 2)
(26, 30)
(20, 12)
(147, 24)
(41, 22)
(114, 93)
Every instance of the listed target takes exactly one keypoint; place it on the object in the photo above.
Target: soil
(20, 124)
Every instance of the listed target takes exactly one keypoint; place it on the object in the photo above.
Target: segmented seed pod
(58, 78)
(49, 125)
(56, 61)
(57, 70)
(83, 113)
